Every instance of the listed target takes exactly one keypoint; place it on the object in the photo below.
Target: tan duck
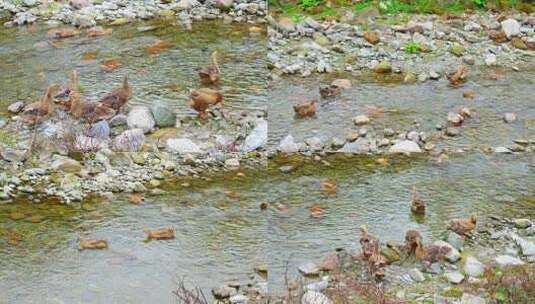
(417, 204)
(65, 96)
(431, 254)
(367, 242)
(160, 234)
(306, 109)
(211, 74)
(458, 77)
(93, 244)
(329, 186)
(117, 98)
(38, 111)
(463, 226)
(203, 98)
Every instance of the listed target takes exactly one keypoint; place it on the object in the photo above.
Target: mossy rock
(17, 216)
(120, 21)
(457, 50)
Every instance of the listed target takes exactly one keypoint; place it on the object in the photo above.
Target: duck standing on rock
(203, 98)
(371, 252)
(89, 111)
(458, 77)
(306, 109)
(429, 254)
(38, 111)
(463, 226)
(211, 74)
(117, 98)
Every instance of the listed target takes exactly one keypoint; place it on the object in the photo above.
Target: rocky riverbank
(422, 47)
(492, 264)
(88, 13)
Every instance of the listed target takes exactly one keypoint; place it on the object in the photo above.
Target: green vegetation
(322, 9)
(412, 48)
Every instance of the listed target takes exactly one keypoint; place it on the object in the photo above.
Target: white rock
(405, 146)
(507, 260)
(490, 60)
(473, 267)
(232, 163)
(16, 107)
(288, 145)
(342, 83)
(416, 275)
(239, 299)
(472, 299)
(129, 140)
(526, 247)
(509, 117)
(257, 138)
(317, 286)
(454, 277)
(313, 297)
(182, 146)
(360, 120)
(308, 268)
(511, 27)
(140, 117)
(453, 255)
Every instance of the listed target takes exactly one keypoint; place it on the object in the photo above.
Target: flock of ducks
(71, 100)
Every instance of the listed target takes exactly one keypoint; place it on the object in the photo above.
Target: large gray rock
(361, 145)
(511, 27)
(454, 277)
(472, 299)
(129, 140)
(313, 297)
(405, 146)
(257, 138)
(16, 107)
(182, 146)
(308, 269)
(140, 117)
(66, 164)
(163, 115)
(473, 267)
(526, 247)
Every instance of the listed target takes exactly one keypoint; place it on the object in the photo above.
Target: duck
(38, 111)
(367, 242)
(118, 98)
(203, 98)
(377, 263)
(458, 77)
(160, 234)
(428, 254)
(212, 73)
(92, 244)
(306, 109)
(316, 211)
(417, 204)
(89, 111)
(330, 91)
(463, 226)
(329, 186)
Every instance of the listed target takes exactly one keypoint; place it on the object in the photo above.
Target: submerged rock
(163, 115)
(129, 140)
(405, 146)
(182, 146)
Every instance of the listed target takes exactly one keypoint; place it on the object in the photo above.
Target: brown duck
(431, 254)
(417, 204)
(93, 244)
(463, 226)
(88, 111)
(458, 77)
(203, 98)
(38, 111)
(117, 98)
(330, 91)
(212, 73)
(160, 234)
(306, 109)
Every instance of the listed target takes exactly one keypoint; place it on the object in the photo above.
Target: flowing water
(220, 238)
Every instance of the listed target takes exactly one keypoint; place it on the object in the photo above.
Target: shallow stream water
(220, 239)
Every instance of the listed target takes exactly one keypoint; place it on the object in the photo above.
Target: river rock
(140, 117)
(453, 255)
(79, 4)
(318, 286)
(511, 28)
(526, 247)
(342, 83)
(129, 140)
(257, 138)
(372, 37)
(308, 269)
(118, 120)
(360, 120)
(99, 130)
(455, 240)
(12, 155)
(224, 5)
(314, 297)
(454, 277)
(182, 146)
(223, 292)
(239, 299)
(405, 146)
(383, 67)
(286, 24)
(66, 164)
(472, 299)
(507, 260)
(455, 118)
(361, 145)
(522, 223)
(509, 117)
(16, 107)
(416, 275)
(163, 115)
(473, 267)
(314, 143)
(490, 60)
